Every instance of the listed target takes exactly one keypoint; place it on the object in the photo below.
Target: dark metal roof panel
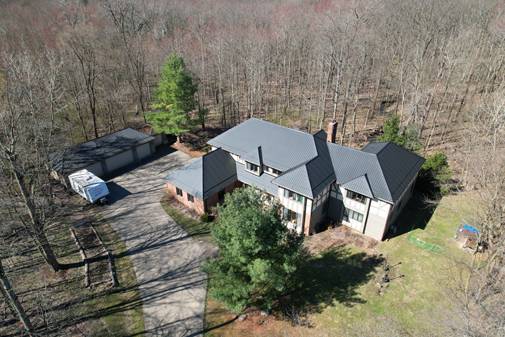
(310, 178)
(359, 185)
(350, 164)
(206, 175)
(218, 171)
(398, 166)
(96, 150)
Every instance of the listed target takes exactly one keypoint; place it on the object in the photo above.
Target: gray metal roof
(309, 163)
(206, 175)
(82, 155)
(398, 166)
(254, 156)
(262, 182)
(359, 184)
(282, 148)
(311, 177)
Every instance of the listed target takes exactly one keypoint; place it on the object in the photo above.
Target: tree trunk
(36, 227)
(12, 300)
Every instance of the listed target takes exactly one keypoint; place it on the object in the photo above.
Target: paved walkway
(165, 259)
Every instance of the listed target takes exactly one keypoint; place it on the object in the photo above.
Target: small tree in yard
(435, 170)
(406, 137)
(174, 98)
(258, 254)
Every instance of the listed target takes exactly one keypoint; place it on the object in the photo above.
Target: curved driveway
(166, 261)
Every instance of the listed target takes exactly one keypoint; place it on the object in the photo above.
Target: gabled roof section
(360, 185)
(255, 156)
(206, 175)
(282, 148)
(311, 177)
(350, 164)
(398, 165)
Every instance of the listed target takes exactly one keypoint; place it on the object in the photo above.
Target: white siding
(375, 215)
(355, 206)
(295, 206)
(376, 222)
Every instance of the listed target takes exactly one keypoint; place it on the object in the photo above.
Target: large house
(312, 178)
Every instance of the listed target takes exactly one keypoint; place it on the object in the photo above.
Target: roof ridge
(293, 168)
(350, 148)
(108, 134)
(281, 126)
(385, 146)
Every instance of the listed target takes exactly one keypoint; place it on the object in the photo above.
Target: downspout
(304, 213)
(367, 212)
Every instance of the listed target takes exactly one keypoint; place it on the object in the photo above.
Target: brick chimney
(332, 131)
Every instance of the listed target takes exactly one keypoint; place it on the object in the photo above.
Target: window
(178, 191)
(290, 216)
(272, 171)
(190, 198)
(350, 214)
(252, 167)
(357, 197)
(293, 196)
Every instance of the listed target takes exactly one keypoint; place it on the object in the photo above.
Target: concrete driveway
(167, 261)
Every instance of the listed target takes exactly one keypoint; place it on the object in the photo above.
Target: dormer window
(356, 197)
(253, 168)
(272, 171)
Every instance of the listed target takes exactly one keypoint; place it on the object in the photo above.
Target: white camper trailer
(89, 186)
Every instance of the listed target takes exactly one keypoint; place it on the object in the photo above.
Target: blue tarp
(470, 229)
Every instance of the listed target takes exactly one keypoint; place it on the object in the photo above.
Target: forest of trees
(73, 70)
(298, 62)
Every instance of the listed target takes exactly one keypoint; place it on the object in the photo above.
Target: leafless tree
(29, 106)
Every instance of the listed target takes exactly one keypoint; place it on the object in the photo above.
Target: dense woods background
(294, 62)
(73, 70)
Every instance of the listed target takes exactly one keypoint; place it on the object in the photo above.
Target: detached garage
(105, 155)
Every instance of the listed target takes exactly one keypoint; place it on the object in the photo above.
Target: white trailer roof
(85, 178)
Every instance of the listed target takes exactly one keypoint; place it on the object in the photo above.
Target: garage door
(144, 151)
(119, 161)
(96, 169)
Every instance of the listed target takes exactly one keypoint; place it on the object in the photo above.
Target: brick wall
(214, 199)
(197, 205)
(200, 206)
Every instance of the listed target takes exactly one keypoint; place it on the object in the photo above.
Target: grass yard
(340, 296)
(189, 223)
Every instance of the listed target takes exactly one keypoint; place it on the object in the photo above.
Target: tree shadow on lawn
(331, 277)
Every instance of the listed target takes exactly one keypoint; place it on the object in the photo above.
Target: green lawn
(193, 227)
(340, 296)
